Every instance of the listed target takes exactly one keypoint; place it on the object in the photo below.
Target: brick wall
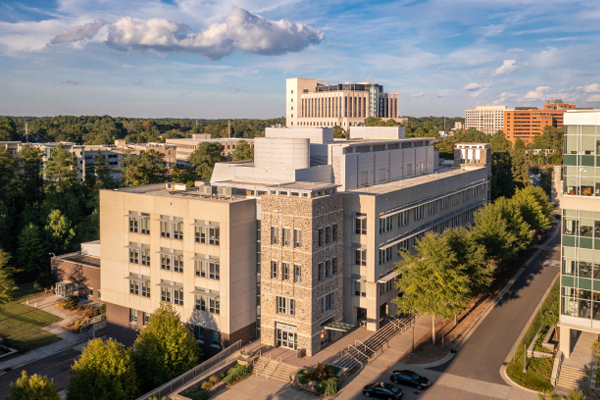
(85, 276)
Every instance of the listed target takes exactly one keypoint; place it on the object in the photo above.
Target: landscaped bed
(21, 324)
(322, 379)
(84, 311)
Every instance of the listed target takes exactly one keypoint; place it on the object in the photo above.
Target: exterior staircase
(570, 377)
(359, 354)
(274, 369)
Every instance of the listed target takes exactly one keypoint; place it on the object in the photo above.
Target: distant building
(311, 103)
(185, 147)
(168, 150)
(487, 119)
(458, 126)
(526, 123)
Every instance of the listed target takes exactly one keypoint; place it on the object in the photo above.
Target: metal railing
(560, 357)
(352, 357)
(264, 364)
(366, 347)
(85, 323)
(214, 362)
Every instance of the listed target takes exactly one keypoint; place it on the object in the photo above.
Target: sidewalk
(46, 303)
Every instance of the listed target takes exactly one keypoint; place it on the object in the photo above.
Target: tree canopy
(33, 387)
(204, 158)
(242, 151)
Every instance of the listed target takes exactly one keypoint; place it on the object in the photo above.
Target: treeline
(105, 129)
(416, 127)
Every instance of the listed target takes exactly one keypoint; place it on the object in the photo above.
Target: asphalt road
(485, 351)
(56, 367)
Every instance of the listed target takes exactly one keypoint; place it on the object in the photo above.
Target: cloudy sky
(224, 59)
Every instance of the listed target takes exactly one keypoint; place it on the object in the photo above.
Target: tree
(243, 151)
(204, 158)
(376, 121)
(131, 171)
(534, 207)
(32, 251)
(8, 129)
(102, 172)
(519, 164)
(31, 165)
(502, 178)
(7, 284)
(59, 231)
(33, 387)
(339, 132)
(164, 349)
(431, 281)
(154, 167)
(61, 168)
(500, 228)
(105, 369)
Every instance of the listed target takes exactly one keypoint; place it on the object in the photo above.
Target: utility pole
(26, 132)
(228, 129)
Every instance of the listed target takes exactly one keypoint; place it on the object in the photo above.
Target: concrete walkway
(582, 351)
(69, 339)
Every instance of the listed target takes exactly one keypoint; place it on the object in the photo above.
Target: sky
(230, 59)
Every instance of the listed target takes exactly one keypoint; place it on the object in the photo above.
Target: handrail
(366, 356)
(560, 357)
(363, 345)
(355, 359)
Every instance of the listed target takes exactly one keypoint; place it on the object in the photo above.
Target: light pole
(52, 254)
(413, 332)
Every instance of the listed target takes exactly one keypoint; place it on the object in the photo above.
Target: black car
(383, 390)
(411, 378)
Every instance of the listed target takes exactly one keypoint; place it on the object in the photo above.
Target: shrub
(103, 309)
(302, 378)
(33, 387)
(71, 302)
(236, 374)
(199, 395)
(328, 387)
(320, 373)
(206, 385)
(213, 380)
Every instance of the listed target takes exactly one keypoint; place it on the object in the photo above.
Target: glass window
(133, 287)
(297, 273)
(360, 257)
(334, 233)
(586, 228)
(569, 267)
(132, 316)
(274, 235)
(286, 236)
(201, 234)
(360, 224)
(165, 295)
(178, 264)
(585, 269)
(334, 266)
(215, 305)
(297, 237)
(320, 272)
(216, 338)
(285, 271)
(214, 271)
(570, 226)
(214, 234)
(200, 303)
(274, 268)
(178, 297)
(146, 289)
(200, 267)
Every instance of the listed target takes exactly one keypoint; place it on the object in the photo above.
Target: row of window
(171, 260)
(172, 228)
(141, 286)
(133, 316)
(286, 237)
(211, 302)
(286, 306)
(200, 335)
(210, 268)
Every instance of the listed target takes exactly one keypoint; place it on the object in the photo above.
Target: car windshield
(394, 389)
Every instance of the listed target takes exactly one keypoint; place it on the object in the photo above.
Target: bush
(199, 395)
(71, 302)
(44, 281)
(328, 387)
(103, 309)
(320, 372)
(236, 374)
(301, 376)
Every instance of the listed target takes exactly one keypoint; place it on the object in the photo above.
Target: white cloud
(594, 98)
(471, 87)
(592, 88)
(506, 96)
(508, 67)
(418, 95)
(79, 33)
(548, 58)
(241, 31)
(538, 94)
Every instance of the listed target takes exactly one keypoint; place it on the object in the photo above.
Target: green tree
(431, 281)
(31, 165)
(204, 158)
(243, 151)
(164, 349)
(105, 369)
(520, 170)
(502, 177)
(32, 253)
(33, 387)
(534, 207)
(102, 172)
(131, 169)
(8, 129)
(154, 167)
(376, 121)
(61, 168)
(339, 132)
(7, 284)
(500, 228)
(8, 165)
(59, 231)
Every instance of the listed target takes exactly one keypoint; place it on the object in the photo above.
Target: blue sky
(224, 59)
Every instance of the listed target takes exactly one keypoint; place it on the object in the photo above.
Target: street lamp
(52, 254)
(413, 332)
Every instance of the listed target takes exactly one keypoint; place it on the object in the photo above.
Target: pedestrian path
(69, 339)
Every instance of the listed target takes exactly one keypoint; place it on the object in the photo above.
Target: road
(56, 367)
(485, 351)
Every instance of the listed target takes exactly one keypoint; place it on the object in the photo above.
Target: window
(200, 303)
(432, 208)
(134, 256)
(286, 236)
(133, 225)
(139, 222)
(134, 287)
(165, 295)
(214, 269)
(320, 272)
(178, 229)
(146, 288)
(274, 268)
(200, 267)
(328, 235)
(135, 251)
(360, 288)
(334, 266)
(297, 274)
(132, 316)
(385, 255)
(178, 297)
(171, 227)
(165, 260)
(216, 338)
(286, 306)
(145, 257)
(445, 202)
(178, 264)
(297, 238)
(214, 234)
(327, 268)
(403, 245)
(419, 212)
(455, 199)
(201, 234)
(320, 238)
(285, 271)
(327, 302)
(385, 224)
(91, 291)
(274, 235)
(199, 333)
(214, 304)
(403, 218)
(145, 318)
(465, 195)
(334, 233)
(360, 257)
(360, 224)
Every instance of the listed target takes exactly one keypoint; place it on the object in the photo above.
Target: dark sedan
(383, 390)
(410, 378)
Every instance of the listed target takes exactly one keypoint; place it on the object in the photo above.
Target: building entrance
(64, 289)
(285, 336)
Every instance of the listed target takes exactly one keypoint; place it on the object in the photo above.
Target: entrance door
(286, 338)
(361, 315)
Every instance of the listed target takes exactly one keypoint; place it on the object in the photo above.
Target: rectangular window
(285, 271)
(360, 224)
(286, 236)
(132, 316)
(334, 233)
(328, 235)
(165, 227)
(178, 297)
(297, 238)
(286, 306)
(178, 228)
(432, 208)
(455, 199)
(360, 257)
(145, 224)
(419, 212)
(165, 295)
(178, 264)
(297, 274)
(214, 270)
(214, 235)
(327, 268)
(199, 333)
(201, 234)
(320, 272)
(145, 318)
(403, 218)
(200, 267)
(165, 262)
(216, 338)
(134, 256)
(334, 266)
(320, 238)
(445, 202)
(145, 257)
(134, 287)
(403, 245)
(385, 224)
(328, 302)
(200, 303)
(274, 235)
(146, 289)
(133, 225)
(274, 268)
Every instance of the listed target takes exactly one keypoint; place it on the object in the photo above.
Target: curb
(512, 383)
(437, 363)
(493, 304)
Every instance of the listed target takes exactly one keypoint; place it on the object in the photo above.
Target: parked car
(383, 390)
(410, 378)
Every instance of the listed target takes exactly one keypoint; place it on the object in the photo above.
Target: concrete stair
(570, 377)
(361, 353)
(273, 369)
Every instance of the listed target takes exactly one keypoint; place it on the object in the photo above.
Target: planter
(550, 341)
(246, 353)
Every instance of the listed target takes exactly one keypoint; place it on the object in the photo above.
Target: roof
(193, 193)
(299, 185)
(81, 259)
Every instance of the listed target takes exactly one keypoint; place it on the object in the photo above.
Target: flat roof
(440, 173)
(298, 185)
(193, 193)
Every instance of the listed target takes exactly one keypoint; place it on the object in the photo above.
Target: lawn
(22, 324)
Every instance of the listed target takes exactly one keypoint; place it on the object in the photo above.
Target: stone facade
(310, 216)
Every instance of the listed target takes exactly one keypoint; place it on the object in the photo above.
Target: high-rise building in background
(311, 103)
(526, 123)
(487, 119)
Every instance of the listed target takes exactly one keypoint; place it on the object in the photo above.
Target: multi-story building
(311, 103)
(185, 147)
(169, 151)
(526, 123)
(487, 119)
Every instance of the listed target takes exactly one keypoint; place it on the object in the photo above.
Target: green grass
(22, 324)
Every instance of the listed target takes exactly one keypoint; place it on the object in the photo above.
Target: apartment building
(312, 103)
(580, 203)
(169, 151)
(526, 123)
(487, 119)
(195, 250)
(185, 147)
